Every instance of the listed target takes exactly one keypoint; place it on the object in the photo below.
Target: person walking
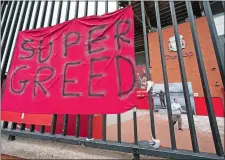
(176, 113)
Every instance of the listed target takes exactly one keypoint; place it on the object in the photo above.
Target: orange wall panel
(191, 66)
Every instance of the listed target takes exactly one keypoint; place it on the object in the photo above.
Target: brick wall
(191, 66)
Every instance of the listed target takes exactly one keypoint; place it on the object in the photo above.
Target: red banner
(82, 66)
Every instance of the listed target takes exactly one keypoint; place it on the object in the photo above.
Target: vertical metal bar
(77, 9)
(8, 26)
(184, 80)
(23, 126)
(53, 127)
(215, 39)
(117, 5)
(204, 80)
(54, 118)
(13, 127)
(90, 117)
(104, 116)
(77, 127)
(51, 13)
(23, 16)
(44, 14)
(5, 124)
(42, 128)
(165, 77)
(86, 8)
(106, 6)
(65, 118)
(90, 124)
(148, 21)
(147, 59)
(30, 14)
(3, 24)
(96, 7)
(32, 126)
(65, 123)
(67, 10)
(119, 128)
(118, 115)
(135, 126)
(59, 12)
(36, 15)
(77, 130)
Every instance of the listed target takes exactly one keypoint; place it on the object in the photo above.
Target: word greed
(69, 40)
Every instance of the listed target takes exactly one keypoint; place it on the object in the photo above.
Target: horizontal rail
(111, 145)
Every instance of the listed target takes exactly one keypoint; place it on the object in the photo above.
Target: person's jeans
(177, 117)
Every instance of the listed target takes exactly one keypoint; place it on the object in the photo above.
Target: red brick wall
(191, 66)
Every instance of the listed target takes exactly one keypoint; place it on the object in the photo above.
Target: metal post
(54, 118)
(215, 39)
(13, 127)
(51, 13)
(165, 77)
(65, 123)
(32, 126)
(96, 7)
(65, 118)
(5, 124)
(104, 117)
(90, 125)
(205, 86)
(53, 127)
(30, 15)
(147, 59)
(135, 126)
(44, 14)
(67, 10)
(42, 128)
(59, 12)
(77, 9)
(23, 126)
(118, 115)
(106, 6)
(118, 128)
(36, 15)
(90, 117)
(184, 80)
(86, 8)
(77, 128)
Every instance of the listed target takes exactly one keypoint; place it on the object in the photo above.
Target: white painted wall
(219, 22)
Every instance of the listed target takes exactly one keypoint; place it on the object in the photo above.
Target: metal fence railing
(18, 15)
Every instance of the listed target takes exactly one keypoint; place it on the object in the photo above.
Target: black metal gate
(17, 16)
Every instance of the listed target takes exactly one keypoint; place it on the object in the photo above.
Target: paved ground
(30, 148)
(38, 149)
(183, 138)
